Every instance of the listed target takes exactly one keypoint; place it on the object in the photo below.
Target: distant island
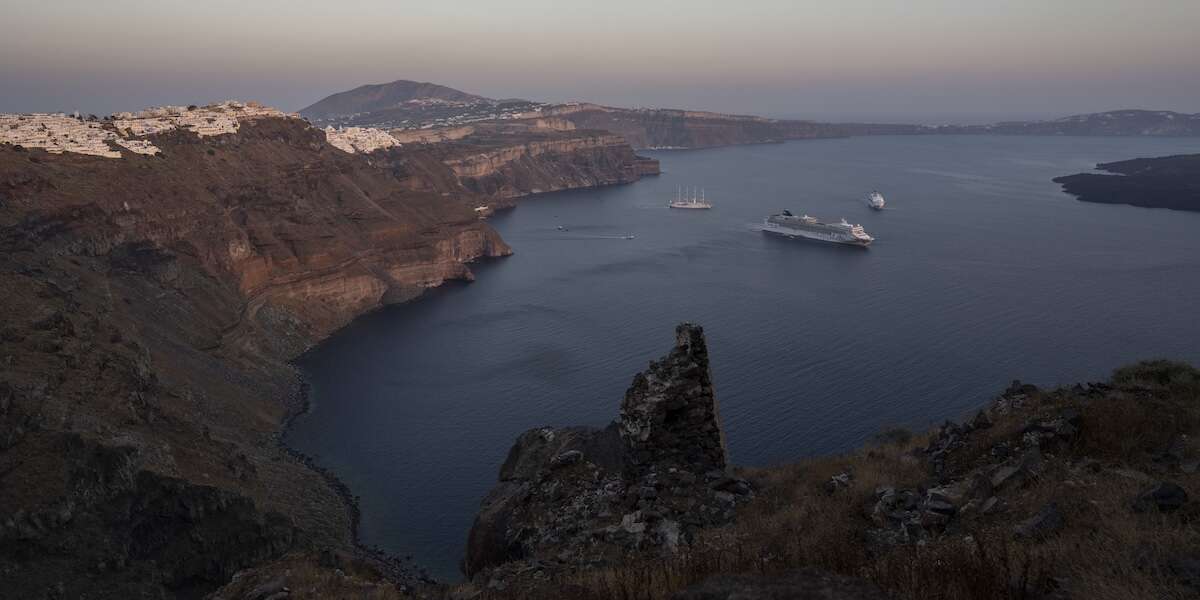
(422, 106)
(1165, 182)
(1127, 122)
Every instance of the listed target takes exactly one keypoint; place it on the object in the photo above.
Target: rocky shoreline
(401, 571)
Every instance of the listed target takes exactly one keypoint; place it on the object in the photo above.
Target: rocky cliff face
(647, 483)
(509, 163)
(154, 301)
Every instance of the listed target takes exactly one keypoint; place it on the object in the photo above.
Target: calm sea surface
(982, 272)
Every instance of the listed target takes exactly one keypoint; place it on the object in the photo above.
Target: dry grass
(308, 580)
(1106, 551)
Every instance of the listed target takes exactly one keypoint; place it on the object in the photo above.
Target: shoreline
(402, 570)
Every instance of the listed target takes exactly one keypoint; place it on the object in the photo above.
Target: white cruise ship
(792, 226)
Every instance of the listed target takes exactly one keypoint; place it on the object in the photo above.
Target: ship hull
(818, 236)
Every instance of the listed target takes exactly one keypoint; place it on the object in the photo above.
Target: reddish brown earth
(514, 160)
(152, 306)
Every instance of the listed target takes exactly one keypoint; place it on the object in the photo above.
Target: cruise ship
(875, 200)
(682, 201)
(792, 226)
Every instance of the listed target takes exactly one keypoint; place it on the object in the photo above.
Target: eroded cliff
(514, 160)
(153, 303)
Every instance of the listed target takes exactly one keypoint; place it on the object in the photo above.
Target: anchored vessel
(694, 202)
(792, 226)
(875, 200)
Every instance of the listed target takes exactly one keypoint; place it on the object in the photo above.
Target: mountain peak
(379, 96)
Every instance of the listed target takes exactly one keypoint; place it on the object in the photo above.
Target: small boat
(875, 200)
(694, 202)
(561, 228)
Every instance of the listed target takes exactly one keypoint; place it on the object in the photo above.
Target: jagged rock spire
(669, 415)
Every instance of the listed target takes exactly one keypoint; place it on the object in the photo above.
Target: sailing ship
(694, 202)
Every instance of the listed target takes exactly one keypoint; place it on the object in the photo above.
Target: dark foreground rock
(585, 496)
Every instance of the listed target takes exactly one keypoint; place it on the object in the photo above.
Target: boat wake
(599, 237)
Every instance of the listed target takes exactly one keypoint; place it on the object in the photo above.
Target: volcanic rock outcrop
(646, 483)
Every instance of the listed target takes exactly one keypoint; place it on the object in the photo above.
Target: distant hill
(1128, 122)
(412, 105)
(1166, 182)
(383, 96)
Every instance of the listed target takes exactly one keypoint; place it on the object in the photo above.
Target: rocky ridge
(577, 497)
(1076, 492)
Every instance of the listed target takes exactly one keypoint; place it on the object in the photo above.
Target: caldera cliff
(164, 267)
(152, 304)
(506, 161)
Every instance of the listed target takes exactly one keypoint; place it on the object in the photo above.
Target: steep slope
(505, 163)
(153, 303)
(373, 97)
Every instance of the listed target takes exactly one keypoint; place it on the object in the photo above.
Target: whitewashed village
(58, 133)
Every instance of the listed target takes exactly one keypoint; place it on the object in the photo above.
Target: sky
(913, 61)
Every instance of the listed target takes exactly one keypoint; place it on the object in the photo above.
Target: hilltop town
(59, 133)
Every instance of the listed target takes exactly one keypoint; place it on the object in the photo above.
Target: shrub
(892, 436)
(1172, 376)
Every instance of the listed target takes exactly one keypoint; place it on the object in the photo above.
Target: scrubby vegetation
(1077, 492)
(1045, 489)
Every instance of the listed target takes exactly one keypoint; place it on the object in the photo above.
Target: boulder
(539, 449)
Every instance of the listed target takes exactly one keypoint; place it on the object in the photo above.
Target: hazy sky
(915, 60)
